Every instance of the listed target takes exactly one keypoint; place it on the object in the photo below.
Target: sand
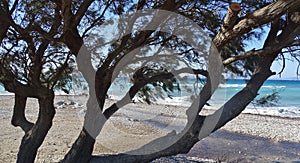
(248, 138)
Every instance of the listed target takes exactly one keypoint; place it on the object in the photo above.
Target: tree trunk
(78, 153)
(198, 127)
(81, 150)
(18, 118)
(94, 120)
(182, 143)
(33, 139)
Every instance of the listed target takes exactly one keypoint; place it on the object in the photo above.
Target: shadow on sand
(232, 147)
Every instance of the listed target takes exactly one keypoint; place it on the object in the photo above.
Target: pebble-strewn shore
(248, 138)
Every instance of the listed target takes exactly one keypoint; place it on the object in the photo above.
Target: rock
(133, 120)
(71, 103)
(59, 103)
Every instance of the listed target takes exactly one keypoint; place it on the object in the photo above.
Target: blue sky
(290, 71)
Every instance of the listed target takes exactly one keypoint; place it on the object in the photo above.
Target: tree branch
(140, 4)
(141, 83)
(232, 16)
(60, 71)
(295, 17)
(231, 109)
(283, 65)
(6, 21)
(247, 54)
(196, 129)
(98, 19)
(13, 7)
(66, 14)
(199, 127)
(103, 78)
(255, 19)
(81, 11)
(282, 41)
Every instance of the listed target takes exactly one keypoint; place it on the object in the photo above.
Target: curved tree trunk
(198, 127)
(33, 139)
(193, 133)
(81, 150)
(94, 120)
(201, 127)
(183, 142)
(18, 118)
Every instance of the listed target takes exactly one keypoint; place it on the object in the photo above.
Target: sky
(290, 70)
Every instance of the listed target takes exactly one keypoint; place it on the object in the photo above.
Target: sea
(287, 103)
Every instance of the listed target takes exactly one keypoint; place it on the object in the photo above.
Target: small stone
(59, 103)
(71, 103)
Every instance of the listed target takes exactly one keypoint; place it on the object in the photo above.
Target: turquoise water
(289, 90)
(287, 106)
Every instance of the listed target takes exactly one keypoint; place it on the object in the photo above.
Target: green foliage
(268, 100)
(209, 15)
(65, 81)
(159, 89)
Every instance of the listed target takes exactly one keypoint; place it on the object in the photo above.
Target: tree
(79, 19)
(32, 66)
(261, 62)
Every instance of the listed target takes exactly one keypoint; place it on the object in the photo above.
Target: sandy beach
(248, 138)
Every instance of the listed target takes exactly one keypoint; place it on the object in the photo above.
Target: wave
(186, 101)
(276, 87)
(243, 85)
(231, 85)
(289, 112)
(220, 85)
(71, 93)
(6, 94)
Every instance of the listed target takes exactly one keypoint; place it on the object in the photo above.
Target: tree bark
(256, 19)
(94, 120)
(18, 118)
(231, 16)
(4, 25)
(33, 139)
(81, 149)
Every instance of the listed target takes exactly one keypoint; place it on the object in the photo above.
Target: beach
(248, 138)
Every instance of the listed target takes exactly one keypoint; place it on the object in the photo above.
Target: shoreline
(170, 105)
(260, 129)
